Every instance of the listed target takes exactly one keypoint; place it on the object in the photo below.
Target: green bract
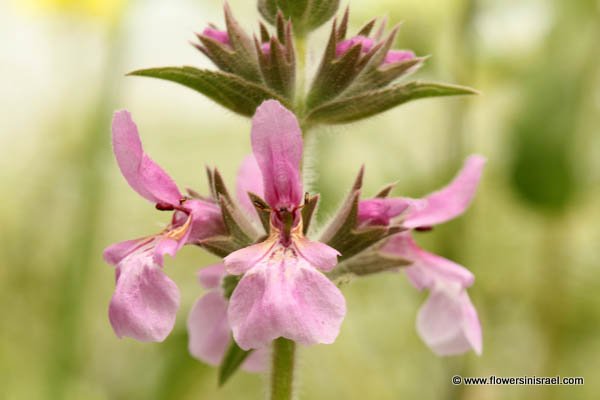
(306, 15)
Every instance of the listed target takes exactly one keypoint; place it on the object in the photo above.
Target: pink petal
(249, 179)
(284, 296)
(209, 333)
(451, 201)
(257, 361)
(172, 240)
(216, 35)
(381, 211)
(142, 174)
(397, 56)
(345, 45)
(166, 246)
(318, 254)
(145, 300)
(114, 253)
(448, 322)
(277, 146)
(207, 220)
(427, 269)
(242, 260)
(210, 277)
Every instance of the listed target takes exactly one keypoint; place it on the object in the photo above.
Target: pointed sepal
(344, 233)
(370, 261)
(239, 231)
(276, 59)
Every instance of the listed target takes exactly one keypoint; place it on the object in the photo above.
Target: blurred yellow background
(532, 237)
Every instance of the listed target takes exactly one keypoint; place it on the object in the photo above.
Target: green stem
(282, 369)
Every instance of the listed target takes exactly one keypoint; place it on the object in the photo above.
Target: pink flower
(216, 35)
(447, 322)
(208, 327)
(367, 44)
(145, 300)
(282, 292)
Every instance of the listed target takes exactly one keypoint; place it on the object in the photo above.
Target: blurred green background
(532, 237)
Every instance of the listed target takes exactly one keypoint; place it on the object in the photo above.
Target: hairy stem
(282, 369)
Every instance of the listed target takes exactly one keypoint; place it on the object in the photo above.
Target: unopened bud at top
(305, 15)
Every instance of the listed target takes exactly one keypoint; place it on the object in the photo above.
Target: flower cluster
(358, 77)
(278, 279)
(282, 291)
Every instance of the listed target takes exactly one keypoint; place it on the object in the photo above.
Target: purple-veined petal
(242, 260)
(216, 35)
(452, 200)
(208, 329)
(142, 174)
(284, 296)
(210, 277)
(249, 179)
(396, 56)
(318, 254)
(448, 322)
(366, 44)
(145, 300)
(277, 146)
(426, 269)
(381, 211)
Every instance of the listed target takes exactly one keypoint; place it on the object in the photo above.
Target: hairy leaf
(354, 108)
(230, 91)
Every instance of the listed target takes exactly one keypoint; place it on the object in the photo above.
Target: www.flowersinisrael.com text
(517, 380)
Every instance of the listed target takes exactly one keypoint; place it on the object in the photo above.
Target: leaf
(230, 91)
(233, 359)
(354, 108)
